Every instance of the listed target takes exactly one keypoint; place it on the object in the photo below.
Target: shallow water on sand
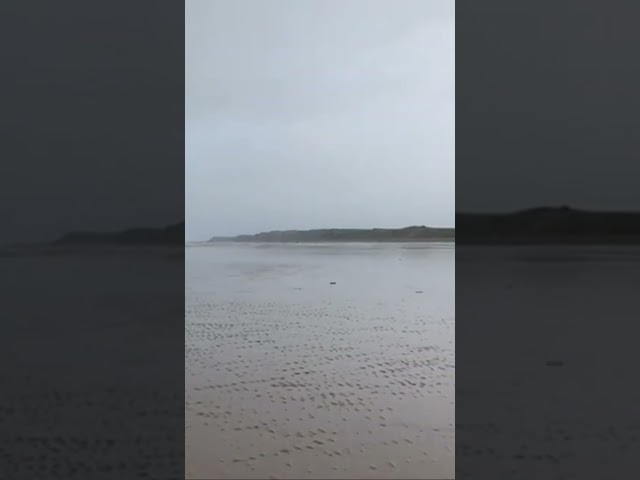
(290, 376)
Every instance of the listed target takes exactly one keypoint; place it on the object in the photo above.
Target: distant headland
(408, 234)
(549, 225)
(170, 235)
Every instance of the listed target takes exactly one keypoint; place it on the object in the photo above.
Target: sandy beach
(67, 410)
(560, 308)
(290, 376)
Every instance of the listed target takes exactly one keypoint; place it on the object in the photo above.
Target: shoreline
(312, 242)
(47, 250)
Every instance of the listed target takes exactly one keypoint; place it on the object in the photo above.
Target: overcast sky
(318, 113)
(547, 105)
(88, 93)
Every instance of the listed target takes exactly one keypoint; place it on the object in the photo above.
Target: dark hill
(550, 225)
(171, 235)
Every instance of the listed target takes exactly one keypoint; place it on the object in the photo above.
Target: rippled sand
(547, 403)
(289, 376)
(73, 324)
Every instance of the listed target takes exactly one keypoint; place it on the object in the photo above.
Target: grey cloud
(318, 113)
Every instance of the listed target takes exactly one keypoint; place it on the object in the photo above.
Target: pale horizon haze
(318, 114)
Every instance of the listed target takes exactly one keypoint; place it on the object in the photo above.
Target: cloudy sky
(547, 105)
(88, 92)
(318, 113)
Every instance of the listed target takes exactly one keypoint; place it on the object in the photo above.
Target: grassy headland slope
(550, 225)
(348, 235)
(171, 235)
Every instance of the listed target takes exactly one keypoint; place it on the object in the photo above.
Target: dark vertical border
(546, 299)
(92, 334)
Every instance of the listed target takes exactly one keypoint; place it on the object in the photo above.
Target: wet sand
(290, 376)
(547, 403)
(73, 323)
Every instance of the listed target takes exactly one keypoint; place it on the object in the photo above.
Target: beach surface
(320, 361)
(547, 340)
(90, 340)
